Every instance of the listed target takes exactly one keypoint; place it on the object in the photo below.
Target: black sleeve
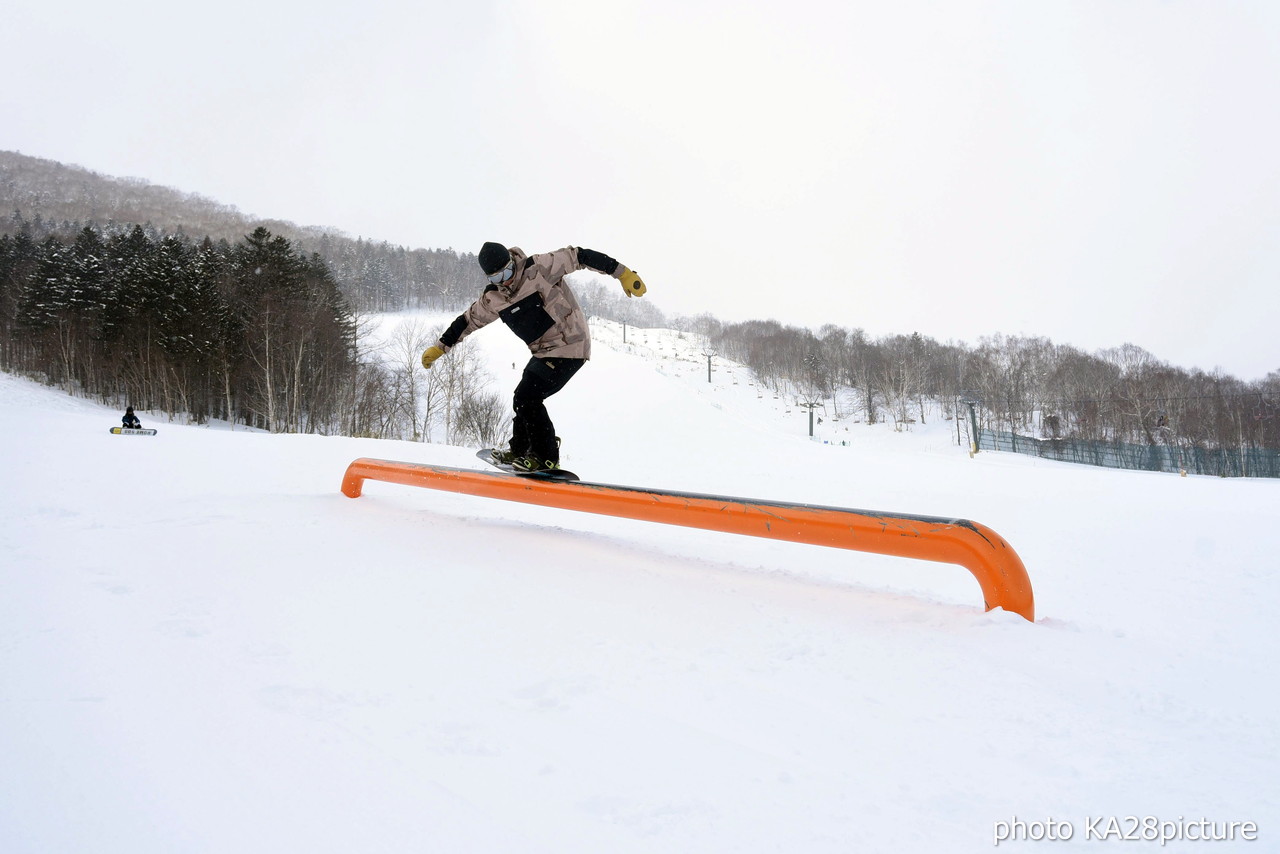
(454, 332)
(598, 261)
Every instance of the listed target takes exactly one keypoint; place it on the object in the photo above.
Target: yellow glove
(430, 355)
(631, 282)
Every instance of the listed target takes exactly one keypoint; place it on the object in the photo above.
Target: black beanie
(493, 257)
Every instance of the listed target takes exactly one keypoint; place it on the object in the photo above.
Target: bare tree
(482, 418)
(404, 356)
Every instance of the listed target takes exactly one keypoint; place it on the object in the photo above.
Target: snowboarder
(529, 294)
(130, 421)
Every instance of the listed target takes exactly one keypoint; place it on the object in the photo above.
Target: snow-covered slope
(204, 646)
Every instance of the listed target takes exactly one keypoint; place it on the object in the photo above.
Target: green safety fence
(1221, 462)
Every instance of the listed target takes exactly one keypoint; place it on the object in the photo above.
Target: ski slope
(204, 646)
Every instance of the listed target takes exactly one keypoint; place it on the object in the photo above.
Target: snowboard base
(486, 455)
(133, 431)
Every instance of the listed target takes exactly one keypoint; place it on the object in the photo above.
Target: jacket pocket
(528, 319)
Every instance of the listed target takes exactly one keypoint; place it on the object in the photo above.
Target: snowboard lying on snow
(133, 431)
(486, 454)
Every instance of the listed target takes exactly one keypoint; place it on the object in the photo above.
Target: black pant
(531, 430)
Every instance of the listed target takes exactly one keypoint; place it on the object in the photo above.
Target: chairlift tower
(810, 406)
(972, 399)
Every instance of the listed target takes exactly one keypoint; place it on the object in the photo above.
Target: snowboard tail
(486, 455)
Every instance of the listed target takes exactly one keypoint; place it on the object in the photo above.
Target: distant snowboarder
(132, 426)
(529, 294)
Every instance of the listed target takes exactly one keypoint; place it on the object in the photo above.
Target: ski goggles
(504, 274)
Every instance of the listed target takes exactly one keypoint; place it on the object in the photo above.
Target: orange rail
(976, 547)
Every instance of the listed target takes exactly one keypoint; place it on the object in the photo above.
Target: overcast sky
(1095, 172)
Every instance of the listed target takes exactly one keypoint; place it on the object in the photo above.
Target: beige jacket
(536, 304)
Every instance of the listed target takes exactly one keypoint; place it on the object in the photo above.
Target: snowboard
(133, 431)
(486, 455)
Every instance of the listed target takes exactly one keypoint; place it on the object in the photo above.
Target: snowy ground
(205, 647)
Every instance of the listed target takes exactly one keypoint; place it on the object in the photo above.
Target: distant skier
(529, 294)
(130, 421)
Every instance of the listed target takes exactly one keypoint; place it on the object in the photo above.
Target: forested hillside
(130, 291)
(1104, 402)
(46, 198)
(252, 332)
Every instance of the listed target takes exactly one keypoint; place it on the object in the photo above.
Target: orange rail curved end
(982, 551)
